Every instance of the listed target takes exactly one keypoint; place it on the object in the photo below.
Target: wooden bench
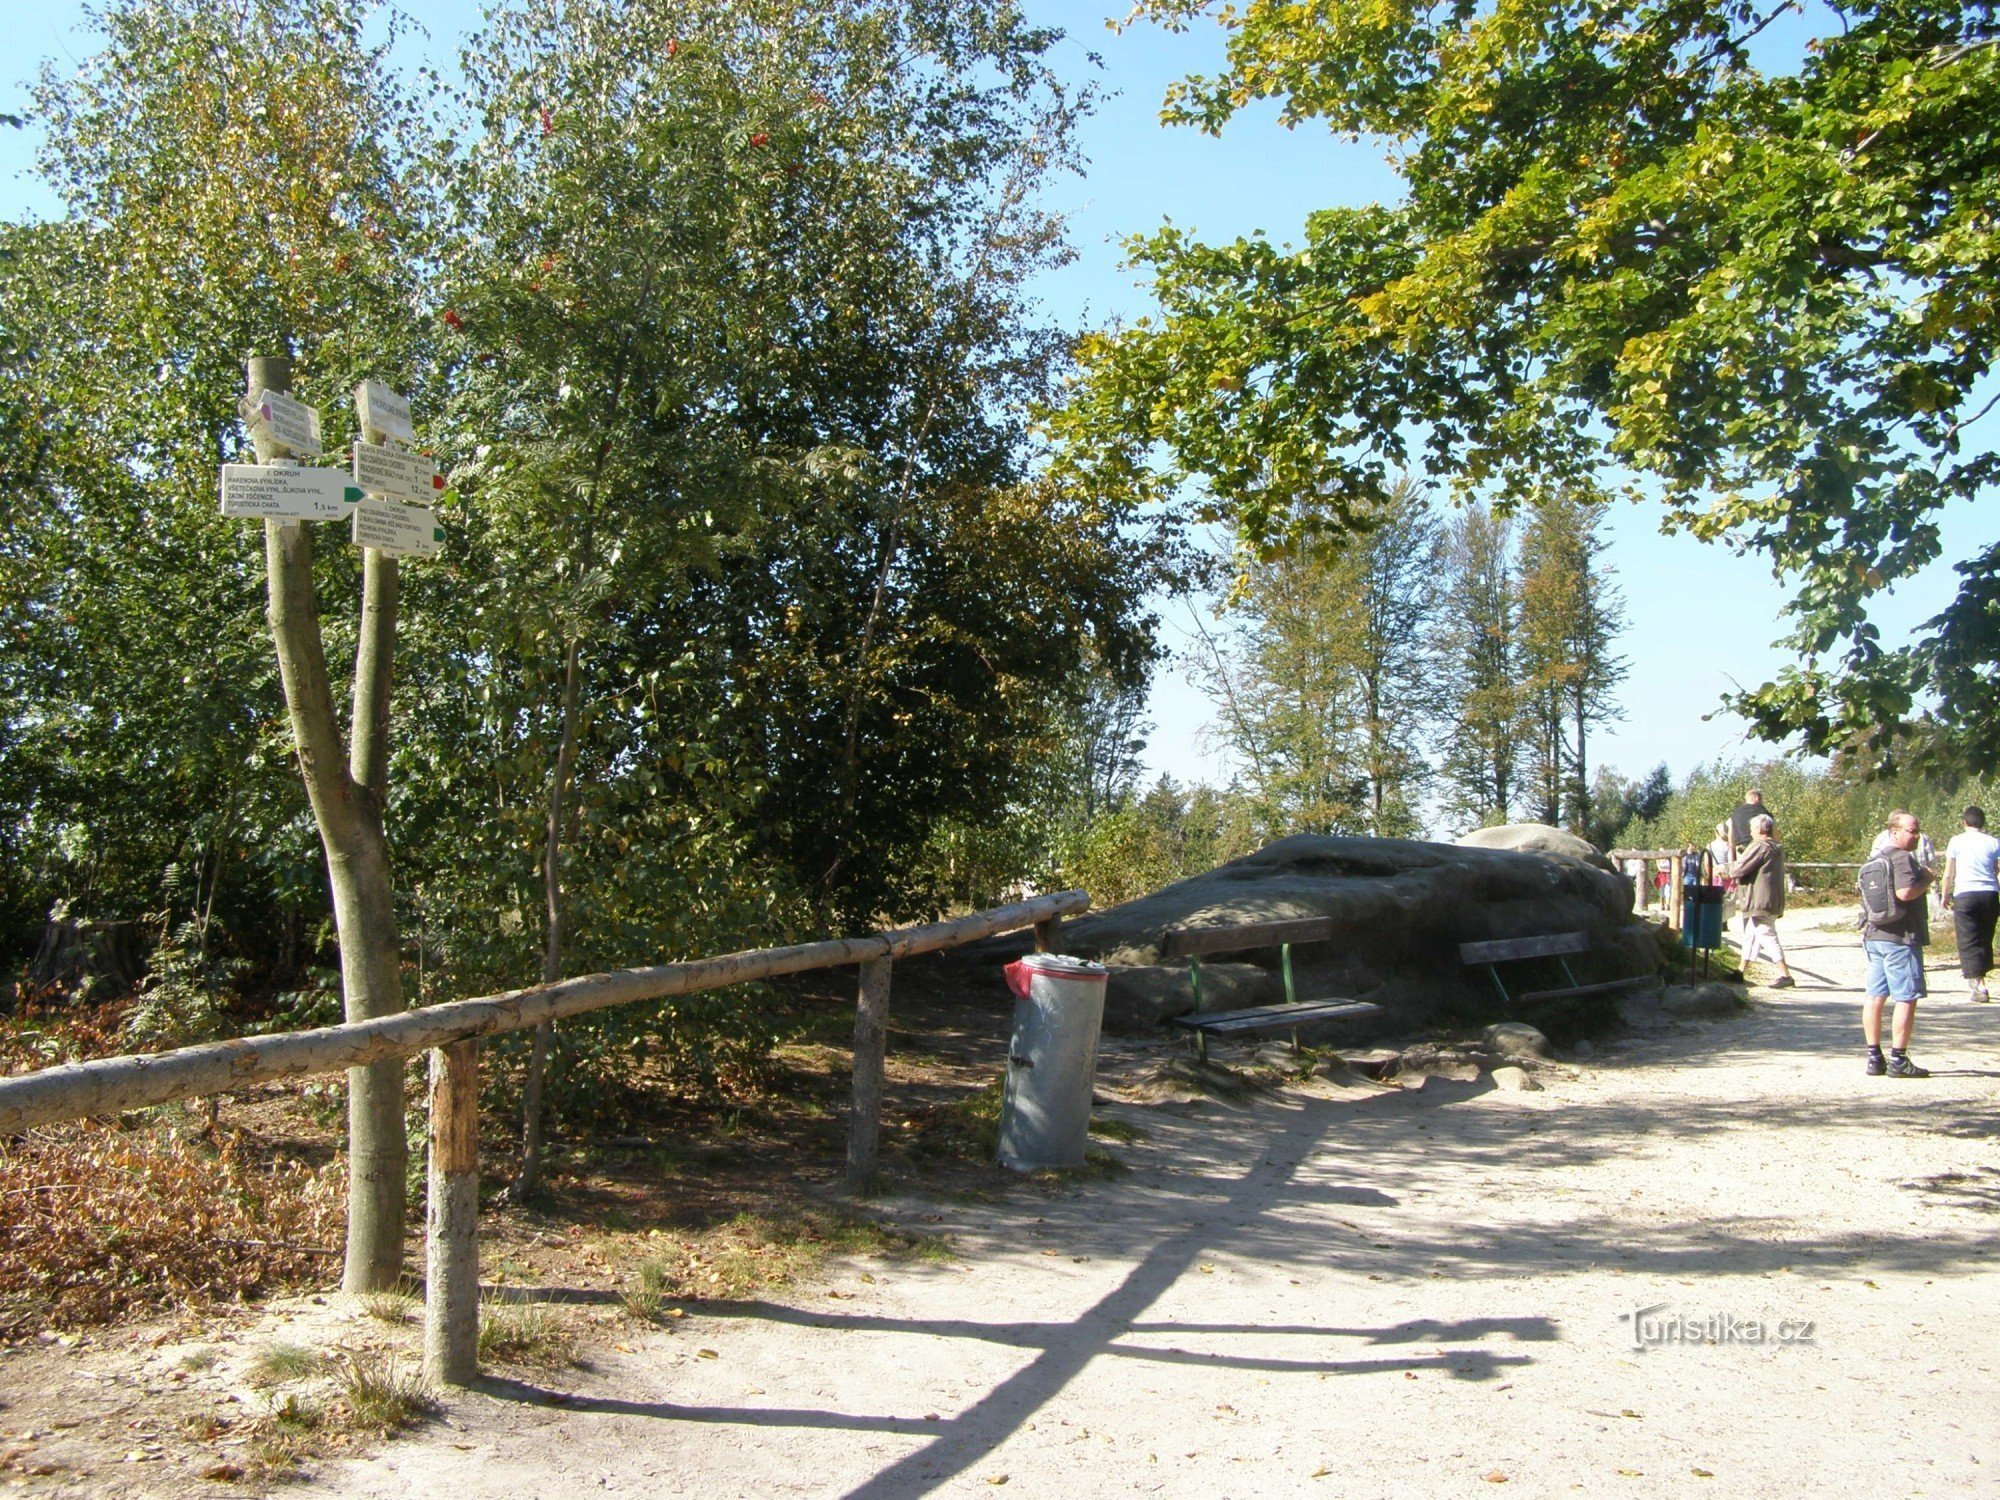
(1555, 945)
(1192, 943)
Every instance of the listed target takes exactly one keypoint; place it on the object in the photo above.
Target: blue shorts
(1895, 970)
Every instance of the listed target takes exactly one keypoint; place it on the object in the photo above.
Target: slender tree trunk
(527, 1181)
(348, 811)
(1579, 716)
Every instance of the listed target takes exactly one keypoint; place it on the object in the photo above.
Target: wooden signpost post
(349, 784)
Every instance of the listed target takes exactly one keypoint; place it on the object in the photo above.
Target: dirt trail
(1400, 1293)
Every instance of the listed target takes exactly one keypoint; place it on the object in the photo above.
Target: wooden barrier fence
(1649, 862)
(451, 1032)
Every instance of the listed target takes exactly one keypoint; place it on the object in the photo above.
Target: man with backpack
(1894, 931)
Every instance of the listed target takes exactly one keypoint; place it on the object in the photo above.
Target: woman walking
(1759, 873)
(1972, 896)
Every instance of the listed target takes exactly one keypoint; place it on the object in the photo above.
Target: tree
(230, 175)
(1617, 804)
(1330, 690)
(734, 376)
(717, 315)
(1570, 612)
(1627, 256)
(1479, 667)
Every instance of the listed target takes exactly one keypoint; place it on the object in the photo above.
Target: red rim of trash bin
(1019, 971)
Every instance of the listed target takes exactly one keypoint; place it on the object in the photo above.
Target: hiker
(1759, 873)
(1739, 821)
(1720, 852)
(1925, 854)
(1894, 930)
(1971, 894)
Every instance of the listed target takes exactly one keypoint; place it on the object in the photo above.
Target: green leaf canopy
(1637, 250)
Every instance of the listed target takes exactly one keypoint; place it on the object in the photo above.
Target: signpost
(287, 492)
(395, 474)
(397, 529)
(372, 497)
(384, 413)
(391, 476)
(284, 420)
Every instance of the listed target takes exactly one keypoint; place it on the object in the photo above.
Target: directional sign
(403, 530)
(285, 421)
(286, 492)
(396, 474)
(385, 411)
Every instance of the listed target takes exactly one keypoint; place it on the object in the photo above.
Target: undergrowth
(965, 1129)
(99, 1222)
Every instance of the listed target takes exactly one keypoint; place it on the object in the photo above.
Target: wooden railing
(1649, 862)
(451, 1032)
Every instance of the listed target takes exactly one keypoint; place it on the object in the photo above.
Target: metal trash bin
(1051, 1061)
(1701, 905)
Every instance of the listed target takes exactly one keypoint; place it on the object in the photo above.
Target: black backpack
(1879, 906)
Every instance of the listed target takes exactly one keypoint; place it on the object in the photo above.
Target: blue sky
(1699, 615)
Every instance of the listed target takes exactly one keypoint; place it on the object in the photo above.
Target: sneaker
(1876, 1067)
(1902, 1067)
(1784, 982)
(1978, 994)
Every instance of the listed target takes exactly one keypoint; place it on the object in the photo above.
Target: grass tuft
(275, 1364)
(647, 1297)
(380, 1397)
(525, 1333)
(390, 1307)
(1113, 1129)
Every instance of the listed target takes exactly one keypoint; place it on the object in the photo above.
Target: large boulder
(1537, 838)
(1400, 908)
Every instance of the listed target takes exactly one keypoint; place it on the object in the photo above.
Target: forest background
(761, 608)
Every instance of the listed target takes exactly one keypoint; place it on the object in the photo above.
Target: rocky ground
(1709, 1257)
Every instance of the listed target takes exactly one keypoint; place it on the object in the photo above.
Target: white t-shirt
(1973, 854)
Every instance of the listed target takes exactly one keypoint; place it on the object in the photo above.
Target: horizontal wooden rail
(451, 1034)
(107, 1085)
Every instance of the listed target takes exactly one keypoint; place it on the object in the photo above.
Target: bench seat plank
(1501, 950)
(1193, 942)
(1586, 989)
(1275, 1017)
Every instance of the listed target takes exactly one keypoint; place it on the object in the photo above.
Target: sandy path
(1401, 1293)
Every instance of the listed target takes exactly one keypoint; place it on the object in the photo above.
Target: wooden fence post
(1045, 934)
(871, 1040)
(451, 1262)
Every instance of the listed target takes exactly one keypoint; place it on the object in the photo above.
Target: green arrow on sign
(351, 495)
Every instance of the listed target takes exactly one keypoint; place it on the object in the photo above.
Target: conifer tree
(1570, 613)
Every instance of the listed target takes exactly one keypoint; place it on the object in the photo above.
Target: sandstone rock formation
(1536, 838)
(1400, 908)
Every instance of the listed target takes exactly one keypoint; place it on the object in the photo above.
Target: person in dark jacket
(1759, 873)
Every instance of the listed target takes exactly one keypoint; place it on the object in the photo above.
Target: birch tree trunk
(529, 1178)
(347, 802)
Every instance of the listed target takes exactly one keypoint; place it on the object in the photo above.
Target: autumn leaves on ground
(163, 1215)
